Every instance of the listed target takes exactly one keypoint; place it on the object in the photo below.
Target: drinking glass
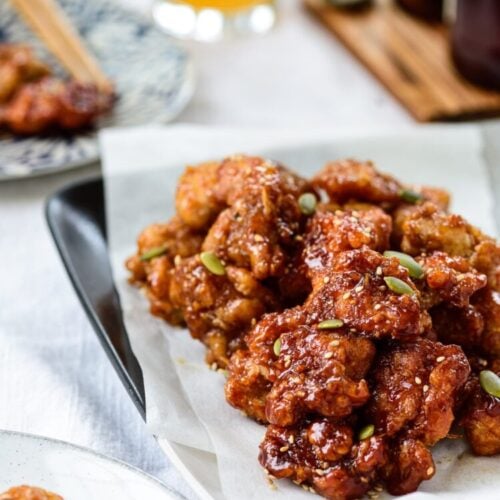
(211, 20)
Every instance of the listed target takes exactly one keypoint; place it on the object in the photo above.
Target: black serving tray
(76, 218)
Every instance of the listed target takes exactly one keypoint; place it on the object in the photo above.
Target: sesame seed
(335, 343)
(482, 362)
(359, 288)
(418, 380)
(320, 472)
(363, 479)
(298, 237)
(177, 260)
(258, 237)
(326, 279)
(377, 307)
(440, 359)
(378, 487)
(324, 465)
(378, 271)
(328, 355)
(253, 322)
(213, 366)
(430, 470)
(425, 388)
(382, 287)
(284, 448)
(291, 438)
(346, 295)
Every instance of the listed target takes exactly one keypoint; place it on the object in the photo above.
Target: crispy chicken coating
(415, 388)
(349, 179)
(322, 454)
(409, 463)
(487, 302)
(461, 326)
(329, 233)
(427, 228)
(258, 228)
(28, 493)
(218, 309)
(481, 419)
(449, 279)
(152, 267)
(320, 373)
(195, 200)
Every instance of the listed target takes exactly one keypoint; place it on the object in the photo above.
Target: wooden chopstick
(53, 27)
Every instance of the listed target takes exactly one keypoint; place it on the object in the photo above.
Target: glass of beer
(212, 20)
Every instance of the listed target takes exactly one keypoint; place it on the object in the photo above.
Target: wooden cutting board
(411, 58)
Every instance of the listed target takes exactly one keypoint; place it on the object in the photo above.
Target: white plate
(152, 74)
(73, 472)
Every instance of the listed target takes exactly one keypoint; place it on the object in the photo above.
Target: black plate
(76, 219)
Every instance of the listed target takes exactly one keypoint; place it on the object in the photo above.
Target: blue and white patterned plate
(153, 77)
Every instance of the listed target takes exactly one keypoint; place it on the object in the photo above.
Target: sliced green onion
(153, 252)
(490, 382)
(398, 286)
(307, 203)
(330, 323)
(212, 263)
(366, 432)
(277, 346)
(414, 268)
(410, 196)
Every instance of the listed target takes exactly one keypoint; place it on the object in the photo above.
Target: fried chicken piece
(481, 419)
(322, 454)
(28, 493)
(487, 302)
(218, 309)
(486, 259)
(427, 229)
(415, 388)
(415, 385)
(195, 200)
(461, 326)
(18, 65)
(51, 103)
(258, 228)
(152, 266)
(329, 233)
(354, 290)
(448, 279)
(319, 372)
(350, 179)
(409, 463)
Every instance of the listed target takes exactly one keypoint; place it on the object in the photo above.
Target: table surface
(55, 379)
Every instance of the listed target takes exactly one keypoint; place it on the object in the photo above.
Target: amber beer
(211, 20)
(223, 5)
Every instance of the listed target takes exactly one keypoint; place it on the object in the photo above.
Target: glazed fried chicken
(32, 101)
(28, 493)
(357, 318)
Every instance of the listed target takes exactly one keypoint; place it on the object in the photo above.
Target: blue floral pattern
(152, 75)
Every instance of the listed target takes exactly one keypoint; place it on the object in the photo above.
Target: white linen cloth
(185, 400)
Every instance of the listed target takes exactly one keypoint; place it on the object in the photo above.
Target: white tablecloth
(55, 379)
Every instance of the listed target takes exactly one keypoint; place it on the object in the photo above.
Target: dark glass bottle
(431, 10)
(476, 41)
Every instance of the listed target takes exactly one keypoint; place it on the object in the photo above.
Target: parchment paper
(186, 409)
